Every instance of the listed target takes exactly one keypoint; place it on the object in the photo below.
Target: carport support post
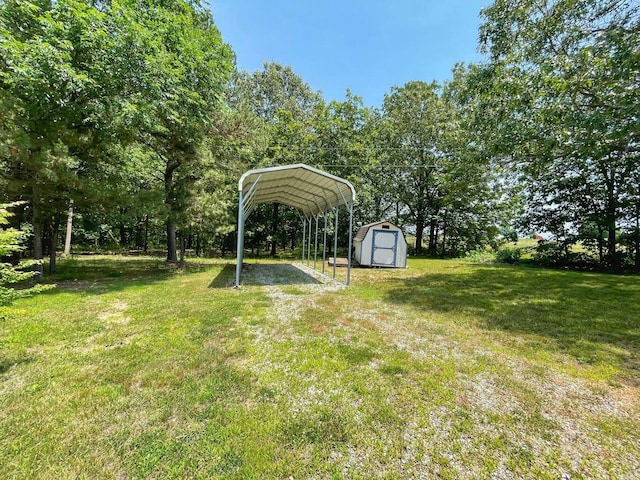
(304, 238)
(335, 244)
(350, 241)
(315, 252)
(309, 245)
(240, 241)
(324, 241)
(348, 204)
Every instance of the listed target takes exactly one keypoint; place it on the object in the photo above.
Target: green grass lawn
(131, 369)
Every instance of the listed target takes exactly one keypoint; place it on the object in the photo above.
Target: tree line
(128, 120)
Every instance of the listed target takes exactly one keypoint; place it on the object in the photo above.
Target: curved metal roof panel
(307, 189)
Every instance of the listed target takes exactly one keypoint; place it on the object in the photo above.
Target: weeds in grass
(482, 256)
(443, 370)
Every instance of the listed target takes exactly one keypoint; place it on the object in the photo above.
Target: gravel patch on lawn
(291, 288)
(494, 418)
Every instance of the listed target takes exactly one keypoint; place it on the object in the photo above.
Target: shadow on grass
(225, 278)
(7, 364)
(593, 317)
(99, 275)
(261, 274)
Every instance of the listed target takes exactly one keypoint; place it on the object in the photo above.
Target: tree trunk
(611, 245)
(637, 240)
(600, 244)
(172, 254)
(198, 245)
(67, 238)
(611, 216)
(38, 251)
(123, 235)
(182, 246)
(444, 236)
(637, 245)
(419, 234)
(146, 233)
(171, 167)
(137, 234)
(433, 237)
(53, 245)
(37, 231)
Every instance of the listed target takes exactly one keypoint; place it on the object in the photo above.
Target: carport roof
(307, 189)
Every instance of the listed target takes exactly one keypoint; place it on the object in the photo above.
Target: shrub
(508, 255)
(480, 255)
(550, 254)
(11, 242)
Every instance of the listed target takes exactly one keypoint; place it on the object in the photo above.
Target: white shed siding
(390, 245)
(401, 261)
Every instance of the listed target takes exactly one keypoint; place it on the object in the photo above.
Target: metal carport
(310, 191)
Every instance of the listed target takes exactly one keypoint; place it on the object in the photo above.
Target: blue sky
(366, 46)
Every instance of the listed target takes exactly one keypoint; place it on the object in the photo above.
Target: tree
(562, 99)
(346, 146)
(83, 81)
(50, 55)
(233, 142)
(414, 124)
(181, 69)
(287, 108)
(482, 201)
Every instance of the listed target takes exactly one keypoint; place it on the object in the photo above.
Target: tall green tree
(181, 68)
(82, 80)
(346, 146)
(51, 86)
(287, 108)
(562, 97)
(414, 125)
(483, 198)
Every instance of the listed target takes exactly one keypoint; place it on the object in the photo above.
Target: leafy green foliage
(11, 241)
(286, 107)
(560, 108)
(508, 255)
(87, 88)
(132, 110)
(53, 88)
(346, 145)
(480, 255)
(435, 173)
(285, 113)
(180, 67)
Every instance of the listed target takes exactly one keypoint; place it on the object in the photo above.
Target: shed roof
(364, 229)
(307, 189)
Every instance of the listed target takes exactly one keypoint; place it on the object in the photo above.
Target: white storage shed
(380, 244)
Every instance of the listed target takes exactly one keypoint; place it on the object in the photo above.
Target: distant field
(524, 243)
(131, 369)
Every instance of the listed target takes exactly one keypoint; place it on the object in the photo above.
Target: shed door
(383, 252)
